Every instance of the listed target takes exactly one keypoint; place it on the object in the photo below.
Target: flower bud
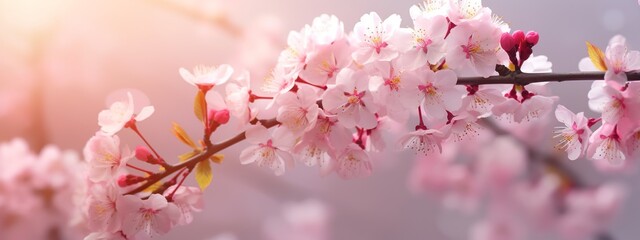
(532, 38)
(507, 42)
(143, 154)
(518, 36)
(128, 180)
(211, 114)
(222, 116)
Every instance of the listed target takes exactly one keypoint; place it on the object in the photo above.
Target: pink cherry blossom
(525, 104)
(612, 103)
(632, 140)
(351, 100)
(464, 127)
(293, 59)
(392, 83)
(238, 94)
(425, 141)
(278, 83)
(574, 136)
(481, 99)
(298, 111)
(155, 216)
(119, 114)
(438, 93)
(428, 41)
(188, 200)
(606, 144)
(353, 162)
(378, 40)
(207, 77)
(269, 150)
(326, 29)
(104, 156)
(375, 139)
(318, 146)
(465, 10)
(472, 48)
(429, 8)
(620, 60)
(103, 212)
(325, 63)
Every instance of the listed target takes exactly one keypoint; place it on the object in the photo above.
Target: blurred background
(61, 60)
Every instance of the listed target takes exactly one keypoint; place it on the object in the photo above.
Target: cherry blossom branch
(509, 78)
(527, 78)
(190, 163)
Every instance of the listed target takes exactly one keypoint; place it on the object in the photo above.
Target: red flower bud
(532, 38)
(143, 154)
(212, 115)
(128, 180)
(507, 42)
(518, 36)
(222, 116)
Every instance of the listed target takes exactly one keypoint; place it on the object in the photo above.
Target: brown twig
(191, 162)
(528, 78)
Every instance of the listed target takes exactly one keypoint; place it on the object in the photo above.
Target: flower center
(470, 48)
(393, 82)
(428, 89)
(423, 44)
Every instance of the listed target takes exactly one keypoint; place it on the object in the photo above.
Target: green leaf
(203, 174)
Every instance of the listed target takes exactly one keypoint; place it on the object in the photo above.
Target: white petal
(187, 76)
(586, 65)
(145, 112)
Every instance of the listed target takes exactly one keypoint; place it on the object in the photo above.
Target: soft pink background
(92, 48)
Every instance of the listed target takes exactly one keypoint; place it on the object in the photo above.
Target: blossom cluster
(39, 192)
(333, 92)
(109, 211)
(617, 100)
(334, 97)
